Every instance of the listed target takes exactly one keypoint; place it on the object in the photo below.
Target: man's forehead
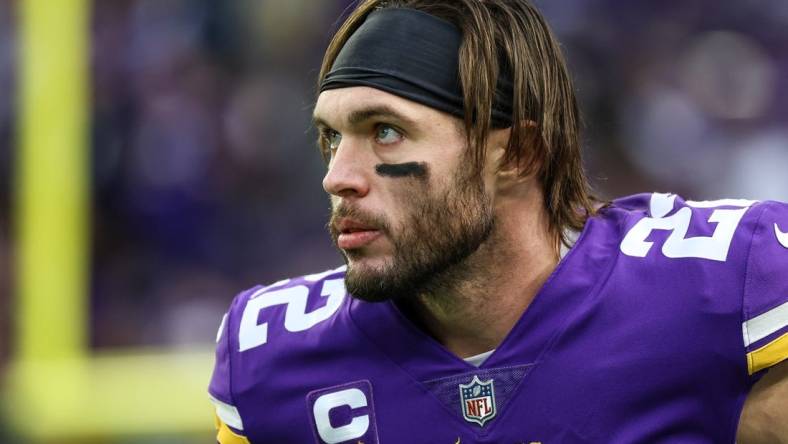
(352, 105)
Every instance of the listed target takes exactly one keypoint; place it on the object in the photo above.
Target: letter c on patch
(352, 397)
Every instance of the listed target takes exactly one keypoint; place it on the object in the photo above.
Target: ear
(499, 140)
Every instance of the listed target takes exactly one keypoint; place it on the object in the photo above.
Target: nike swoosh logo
(782, 238)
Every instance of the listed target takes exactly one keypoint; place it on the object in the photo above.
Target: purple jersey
(652, 329)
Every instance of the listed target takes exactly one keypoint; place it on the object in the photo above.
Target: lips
(354, 234)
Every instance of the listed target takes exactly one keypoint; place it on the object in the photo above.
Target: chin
(366, 268)
(369, 279)
(367, 261)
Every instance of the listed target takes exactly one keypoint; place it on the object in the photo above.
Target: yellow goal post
(56, 389)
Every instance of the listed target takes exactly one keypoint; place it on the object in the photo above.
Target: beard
(436, 238)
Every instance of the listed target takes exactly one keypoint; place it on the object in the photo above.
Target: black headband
(414, 55)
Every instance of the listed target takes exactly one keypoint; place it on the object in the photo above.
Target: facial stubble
(430, 248)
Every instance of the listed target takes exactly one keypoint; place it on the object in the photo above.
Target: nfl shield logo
(478, 401)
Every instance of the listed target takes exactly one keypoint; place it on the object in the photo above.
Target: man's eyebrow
(360, 116)
(319, 122)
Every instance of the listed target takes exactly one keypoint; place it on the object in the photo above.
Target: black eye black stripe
(418, 170)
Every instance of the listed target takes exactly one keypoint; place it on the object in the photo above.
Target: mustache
(358, 215)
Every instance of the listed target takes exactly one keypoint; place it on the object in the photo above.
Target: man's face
(406, 207)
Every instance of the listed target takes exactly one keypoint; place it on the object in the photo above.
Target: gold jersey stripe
(226, 436)
(770, 354)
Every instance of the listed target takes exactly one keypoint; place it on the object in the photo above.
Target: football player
(487, 296)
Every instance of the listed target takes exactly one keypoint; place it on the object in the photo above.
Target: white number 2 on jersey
(714, 247)
(251, 334)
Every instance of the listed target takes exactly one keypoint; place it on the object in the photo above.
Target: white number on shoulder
(251, 334)
(678, 245)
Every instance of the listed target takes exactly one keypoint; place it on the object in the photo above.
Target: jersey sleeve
(229, 424)
(765, 304)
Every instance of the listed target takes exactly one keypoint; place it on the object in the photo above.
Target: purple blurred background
(207, 180)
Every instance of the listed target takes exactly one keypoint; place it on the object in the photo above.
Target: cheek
(405, 200)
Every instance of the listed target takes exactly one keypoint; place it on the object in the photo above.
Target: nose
(346, 176)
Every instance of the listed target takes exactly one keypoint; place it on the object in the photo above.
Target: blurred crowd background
(206, 178)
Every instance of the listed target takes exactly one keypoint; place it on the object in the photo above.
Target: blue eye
(387, 135)
(332, 139)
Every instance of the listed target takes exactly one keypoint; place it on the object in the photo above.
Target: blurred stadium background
(156, 158)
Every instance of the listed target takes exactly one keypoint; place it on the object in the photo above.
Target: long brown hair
(545, 136)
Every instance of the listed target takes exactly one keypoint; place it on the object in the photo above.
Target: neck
(495, 285)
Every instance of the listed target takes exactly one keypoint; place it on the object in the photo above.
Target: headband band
(414, 55)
